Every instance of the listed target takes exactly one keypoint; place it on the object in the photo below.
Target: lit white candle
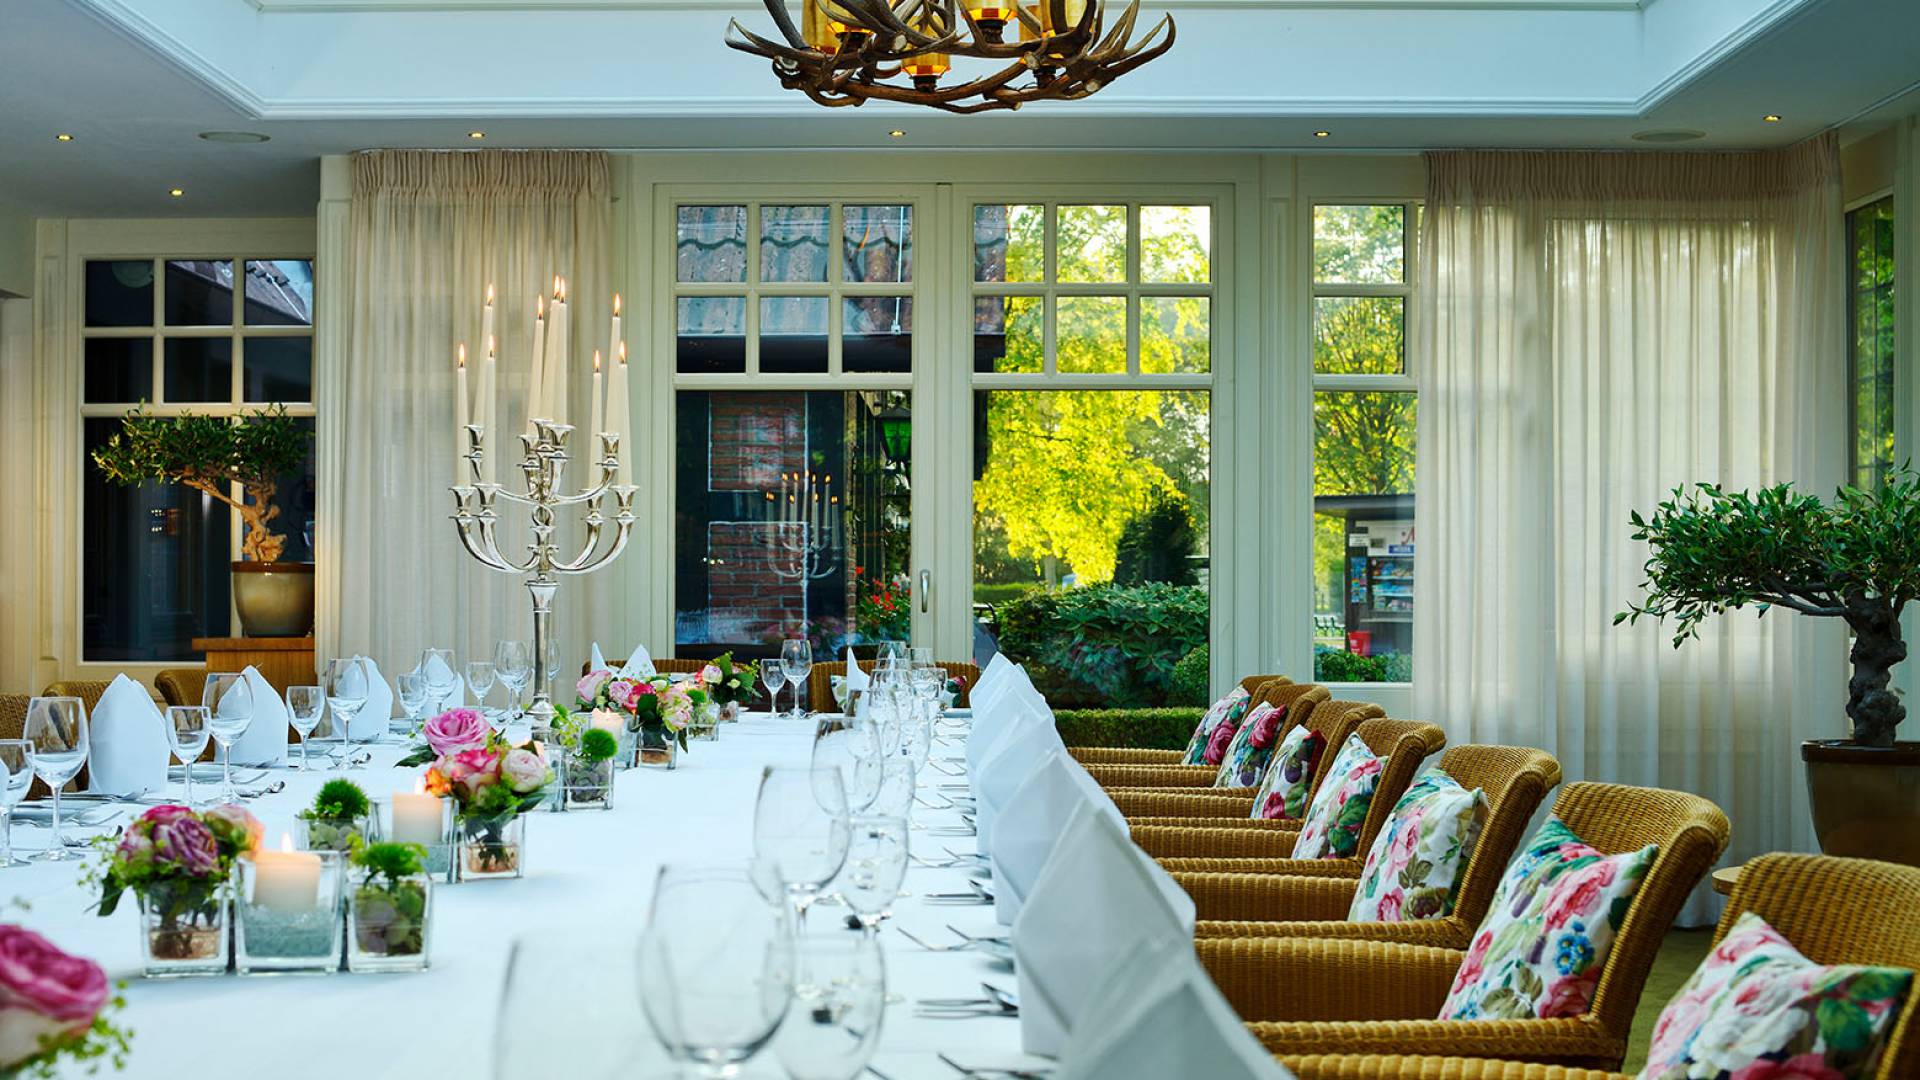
(607, 720)
(613, 339)
(487, 414)
(559, 350)
(418, 817)
(486, 319)
(537, 380)
(286, 880)
(461, 475)
(618, 411)
(596, 405)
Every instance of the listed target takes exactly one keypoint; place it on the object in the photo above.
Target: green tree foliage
(1157, 545)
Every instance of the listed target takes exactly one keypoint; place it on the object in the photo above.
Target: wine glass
(920, 656)
(16, 759)
(838, 744)
(188, 727)
(413, 694)
(580, 982)
(229, 704)
(889, 652)
(305, 704)
(800, 831)
(346, 688)
(514, 661)
(716, 966)
(442, 680)
(57, 728)
(481, 675)
(876, 865)
(774, 674)
(796, 659)
(895, 797)
(839, 996)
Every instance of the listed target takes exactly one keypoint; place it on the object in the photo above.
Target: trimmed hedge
(995, 594)
(1335, 665)
(1145, 729)
(1104, 646)
(1190, 679)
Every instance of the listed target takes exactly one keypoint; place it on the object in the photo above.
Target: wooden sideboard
(284, 661)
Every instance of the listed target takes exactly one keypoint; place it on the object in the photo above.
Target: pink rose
(162, 815)
(35, 974)
(642, 689)
(524, 771)
(456, 730)
(471, 770)
(134, 846)
(1569, 996)
(1218, 742)
(189, 843)
(589, 685)
(1471, 967)
(620, 691)
(246, 830)
(1583, 895)
(1389, 909)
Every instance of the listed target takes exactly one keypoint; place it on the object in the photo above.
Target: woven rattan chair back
(1406, 745)
(665, 666)
(1335, 720)
(1252, 683)
(88, 691)
(820, 681)
(1515, 780)
(181, 686)
(1691, 833)
(13, 715)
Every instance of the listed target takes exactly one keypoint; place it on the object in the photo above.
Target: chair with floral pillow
(1135, 755)
(1832, 911)
(1332, 721)
(1298, 699)
(1310, 996)
(1515, 780)
(1402, 746)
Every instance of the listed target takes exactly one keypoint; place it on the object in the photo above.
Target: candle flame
(286, 842)
(489, 294)
(616, 303)
(540, 307)
(596, 361)
(556, 287)
(460, 355)
(623, 354)
(493, 341)
(419, 786)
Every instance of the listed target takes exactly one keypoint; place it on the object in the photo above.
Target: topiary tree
(210, 453)
(1190, 678)
(1157, 544)
(1857, 559)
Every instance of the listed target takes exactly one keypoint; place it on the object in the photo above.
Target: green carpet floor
(1679, 955)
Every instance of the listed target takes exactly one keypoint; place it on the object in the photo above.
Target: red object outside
(1360, 642)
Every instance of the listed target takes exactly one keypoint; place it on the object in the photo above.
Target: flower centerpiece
(179, 864)
(53, 1007)
(586, 754)
(730, 684)
(491, 786)
(657, 709)
(340, 812)
(390, 908)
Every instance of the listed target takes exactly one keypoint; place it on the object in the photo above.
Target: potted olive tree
(1856, 559)
(210, 454)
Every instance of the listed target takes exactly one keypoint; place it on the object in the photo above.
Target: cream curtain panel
(1592, 331)
(428, 231)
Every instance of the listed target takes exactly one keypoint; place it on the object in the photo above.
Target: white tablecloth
(588, 874)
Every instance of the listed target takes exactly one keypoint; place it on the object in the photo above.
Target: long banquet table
(589, 877)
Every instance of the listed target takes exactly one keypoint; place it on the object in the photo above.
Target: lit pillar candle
(618, 411)
(487, 413)
(613, 339)
(558, 349)
(417, 817)
(460, 472)
(596, 406)
(537, 380)
(286, 880)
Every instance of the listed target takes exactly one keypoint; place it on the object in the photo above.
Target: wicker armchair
(1405, 744)
(181, 686)
(1128, 755)
(1304, 996)
(1833, 910)
(820, 681)
(1334, 720)
(13, 715)
(1239, 904)
(665, 665)
(1300, 700)
(87, 690)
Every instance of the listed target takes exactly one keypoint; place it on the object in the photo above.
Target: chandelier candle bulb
(992, 16)
(417, 818)
(286, 880)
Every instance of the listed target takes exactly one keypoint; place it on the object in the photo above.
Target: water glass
(839, 996)
(774, 674)
(895, 797)
(566, 1006)
(346, 688)
(920, 656)
(480, 679)
(890, 651)
(188, 728)
(799, 832)
(305, 706)
(796, 659)
(16, 777)
(514, 662)
(413, 694)
(839, 744)
(442, 680)
(716, 967)
(876, 865)
(57, 729)
(229, 702)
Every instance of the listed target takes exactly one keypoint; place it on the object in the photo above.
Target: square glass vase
(730, 712)
(334, 834)
(705, 725)
(584, 785)
(183, 929)
(428, 824)
(287, 912)
(658, 749)
(389, 923)
(491, 847)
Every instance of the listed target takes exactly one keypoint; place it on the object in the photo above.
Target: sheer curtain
(428, 231)
(1592, 331)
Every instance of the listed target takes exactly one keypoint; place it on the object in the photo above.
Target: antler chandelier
(846, 52)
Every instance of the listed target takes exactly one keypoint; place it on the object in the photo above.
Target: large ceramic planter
(1866, 799)
(274, 599)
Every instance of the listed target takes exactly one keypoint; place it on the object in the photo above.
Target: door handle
(926, 589)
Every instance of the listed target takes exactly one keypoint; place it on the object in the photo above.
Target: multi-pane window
(803, 289)
(218, 336)
(1092, 359)
(1870, 350)
(1364, 412)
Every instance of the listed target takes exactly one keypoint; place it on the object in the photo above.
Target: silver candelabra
(803, 543)
(543, 466)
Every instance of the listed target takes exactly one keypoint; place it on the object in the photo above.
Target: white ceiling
(136, 80)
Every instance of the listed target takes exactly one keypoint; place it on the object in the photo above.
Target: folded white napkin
(991, 675)
(991, 718)
(129, 744)
(1098, 896)
(1015, 755)
(857, 680)
(372, 720)
(265, 740)
(1027, 829)
(639, 665)
(991, 692)
(1160, 1015)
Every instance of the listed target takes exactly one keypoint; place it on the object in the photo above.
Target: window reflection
(199, 292)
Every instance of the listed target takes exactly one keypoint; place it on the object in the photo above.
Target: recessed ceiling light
(1668, 135)
(476, 134)
(896, 133)
(234, 136)
(1322, 134)
(1771, 118)
(176, 192)
(64, 137)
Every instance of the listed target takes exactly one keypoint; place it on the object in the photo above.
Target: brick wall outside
(752, 439)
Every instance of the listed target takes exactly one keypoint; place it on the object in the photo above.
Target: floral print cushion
(1332, 826)
(1283, 794)
(1413, 869)
(1228, 710)
(1757, 1008)
(1245, 757)
(1544, 942)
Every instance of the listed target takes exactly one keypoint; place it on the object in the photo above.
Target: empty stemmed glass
(188, 727)
(57, 729)
(774, 674)
(346, 687)
(16, 777)
(413, 690)
(876, 865)
(800, 832)
(796, 659)
(513, 661)
(716, 967)
(442, 680)
(481, 676)
(305, 706)
(839, 996)
(839, 744)
(229, 703)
